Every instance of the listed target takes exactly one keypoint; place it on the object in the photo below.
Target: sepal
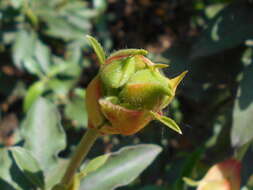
(93, 94)
(130, 52)
(117, 73)
(166, 121)
(174, 82)
(97, 48)
(122, 120)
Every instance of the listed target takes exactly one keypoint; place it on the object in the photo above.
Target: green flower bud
(129, 92)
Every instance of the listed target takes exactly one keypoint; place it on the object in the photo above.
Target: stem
(82, 150)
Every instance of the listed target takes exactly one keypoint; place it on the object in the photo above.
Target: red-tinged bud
(225, 175)
(128, 92)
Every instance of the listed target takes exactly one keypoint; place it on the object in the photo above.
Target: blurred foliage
(46, 64)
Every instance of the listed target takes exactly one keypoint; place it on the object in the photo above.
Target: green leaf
(43, 133)
(23, 47)
(167, 121)
(68, 74)
(97, 48)
(28, 165)
(31, 53)
(32, 67)
(121, 168)
(233, 22)
(33, 93)
(79, 22)
(243, 110)
(76, 109)
(100, 5)
(94, 164)
(74, 53)
(214, 9)
(11, 177)
(54, 175)
(17, 3)
(59, 27)
(5, 175)
(57, 68)
(42, 54)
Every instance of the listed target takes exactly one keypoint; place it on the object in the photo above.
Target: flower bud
(128, 92)
(222, 176)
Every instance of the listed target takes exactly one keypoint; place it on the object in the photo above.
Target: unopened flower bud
(128, 92)
(225, 175)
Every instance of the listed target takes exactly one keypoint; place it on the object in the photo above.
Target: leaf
(43, 133)
(76, 109)
(243, 110)
(121, 168)
(100, 5)
(32, 67)
(57, 69)
(17, 3)
(167, 121)
(11, 177)
(42, 54)
(69, 22)
(64, 76)
(59, 27)
(79, 9)
(5, 176)
(34, 91)
(97, 48)
(94, 164)
(54, 175)
(31, 53)
(79, 22)
(29, 166)
(74, 53)
(214, 9)
(233, 22)
(23, 47)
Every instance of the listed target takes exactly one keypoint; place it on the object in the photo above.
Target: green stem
(82, 150)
